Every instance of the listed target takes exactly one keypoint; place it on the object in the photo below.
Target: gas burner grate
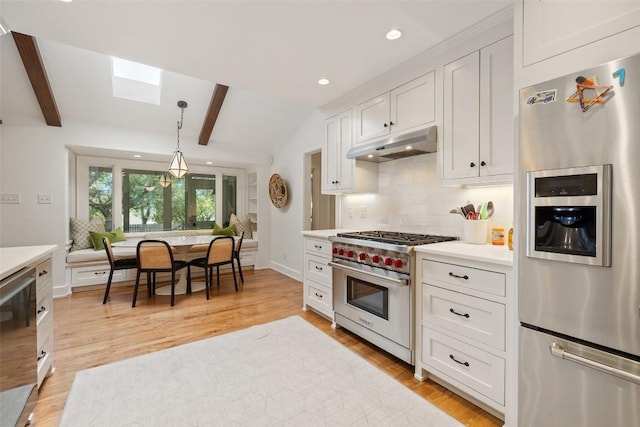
(398, 238)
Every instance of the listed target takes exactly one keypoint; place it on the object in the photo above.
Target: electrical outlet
(363, 212)
(10, 199)
(45, 199)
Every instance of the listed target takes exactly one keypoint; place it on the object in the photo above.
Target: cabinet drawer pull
(457, 361)
(318, 268)
(386, 125)
(465, 277)
(100, 273)
(451, 310)
(318, 247)
(42, 273)
(42, 309)
(42, 355)
(318, 295)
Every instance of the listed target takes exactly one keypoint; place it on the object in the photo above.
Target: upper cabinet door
(496, 108)
(552, 27)
(413, 104)
(373, 118)
(461, 131)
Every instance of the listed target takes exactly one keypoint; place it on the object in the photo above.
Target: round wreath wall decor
(278, 191)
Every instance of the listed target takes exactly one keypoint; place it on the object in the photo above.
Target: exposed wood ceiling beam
(33, 65)
(212, 114)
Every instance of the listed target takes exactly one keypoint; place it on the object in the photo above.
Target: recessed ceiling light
(137, 156)
(370, 156)
(66, 1)
(408, 147)
(323, 82)
(209, 163)
(394, 34)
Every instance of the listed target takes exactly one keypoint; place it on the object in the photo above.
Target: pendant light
(178, 166)
(165, 179)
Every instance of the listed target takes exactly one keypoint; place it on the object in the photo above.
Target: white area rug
(283, 373)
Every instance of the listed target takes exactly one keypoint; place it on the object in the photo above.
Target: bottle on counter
(497, 236)
(510, 239)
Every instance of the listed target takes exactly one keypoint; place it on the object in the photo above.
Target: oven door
(374, 306)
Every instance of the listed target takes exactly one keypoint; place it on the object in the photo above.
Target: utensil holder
(475, 231)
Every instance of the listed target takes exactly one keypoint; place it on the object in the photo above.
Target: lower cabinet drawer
(474, 318)
(476, 369)
(319, 297)
(95, 275)
(45, 358)
(316, 269)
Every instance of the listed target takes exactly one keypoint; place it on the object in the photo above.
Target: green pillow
(116, 235)
(227, 231)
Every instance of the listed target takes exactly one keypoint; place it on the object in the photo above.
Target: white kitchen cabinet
(44, 318)
(553, 27)
(478, 118)
(318, 276)
(464, 336)
(402, 109)
(340, 174)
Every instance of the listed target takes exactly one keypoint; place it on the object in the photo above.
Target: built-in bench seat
(86, 268)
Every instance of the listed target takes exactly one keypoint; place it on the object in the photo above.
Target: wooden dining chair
(220, 252)
(236, 255)
(115, 264)
(155, 256)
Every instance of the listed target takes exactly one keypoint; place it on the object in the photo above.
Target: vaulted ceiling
(270, 54)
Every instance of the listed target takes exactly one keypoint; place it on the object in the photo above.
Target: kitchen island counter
(13, 259)
(467, 251)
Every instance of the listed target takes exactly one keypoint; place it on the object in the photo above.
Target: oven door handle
(396, 282)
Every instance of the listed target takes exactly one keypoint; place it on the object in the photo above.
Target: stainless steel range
(373, 286)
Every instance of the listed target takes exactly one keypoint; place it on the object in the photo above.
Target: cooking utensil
(473, 216)
(468, 208)
(456, 211)
(489, 211)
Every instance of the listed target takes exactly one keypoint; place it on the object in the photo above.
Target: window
(128, 194)
(101, 195)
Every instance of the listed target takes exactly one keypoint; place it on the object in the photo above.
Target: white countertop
(484, 253)
(323, 234)
(15, 258)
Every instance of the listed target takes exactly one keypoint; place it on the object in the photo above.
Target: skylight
(135, 81)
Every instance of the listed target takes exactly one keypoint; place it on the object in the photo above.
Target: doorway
(319, 208)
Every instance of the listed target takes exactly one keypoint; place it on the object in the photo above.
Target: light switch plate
(45, 199)
(10, 199)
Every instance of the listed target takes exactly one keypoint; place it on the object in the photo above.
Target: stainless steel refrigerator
(579, 255)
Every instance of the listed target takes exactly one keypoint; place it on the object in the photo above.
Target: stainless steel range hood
(397, 147)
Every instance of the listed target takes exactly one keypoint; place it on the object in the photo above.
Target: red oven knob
(388, 261)
(362, 256)
(375, 259)
(398, 263)
(340, 251)
(335, 250)
(350, 254)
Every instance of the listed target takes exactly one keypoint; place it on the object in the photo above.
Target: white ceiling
(270, 53)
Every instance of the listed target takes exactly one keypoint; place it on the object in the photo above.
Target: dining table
(181, 246)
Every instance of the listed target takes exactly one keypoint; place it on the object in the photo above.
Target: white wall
(410, 198)
(287, 222)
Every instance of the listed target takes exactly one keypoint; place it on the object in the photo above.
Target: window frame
(117, 165)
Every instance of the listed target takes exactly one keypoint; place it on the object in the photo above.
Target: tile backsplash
(410, 198)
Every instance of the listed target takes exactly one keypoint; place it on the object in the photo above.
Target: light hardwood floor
(88, 333)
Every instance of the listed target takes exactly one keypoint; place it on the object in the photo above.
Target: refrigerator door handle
(558, 351)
